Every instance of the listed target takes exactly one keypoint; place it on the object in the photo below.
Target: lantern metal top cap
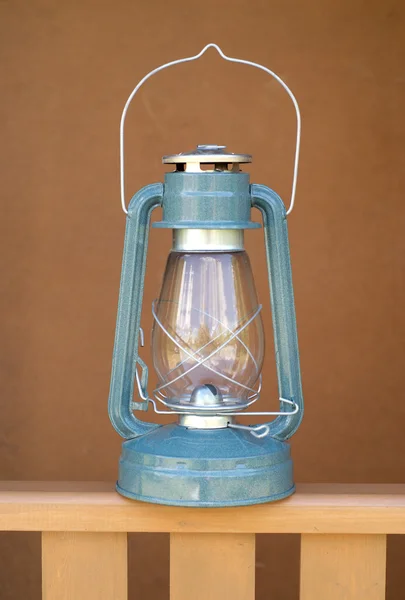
(207, 153)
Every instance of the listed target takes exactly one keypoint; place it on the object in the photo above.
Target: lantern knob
(212, 147)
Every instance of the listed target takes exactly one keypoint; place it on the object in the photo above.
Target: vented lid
(207, 153)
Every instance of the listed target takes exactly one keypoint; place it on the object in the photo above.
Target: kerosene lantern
(207, 338)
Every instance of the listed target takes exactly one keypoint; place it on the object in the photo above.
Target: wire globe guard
(174, 464)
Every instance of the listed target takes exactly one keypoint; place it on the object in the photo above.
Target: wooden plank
(84, 566)
(212, 566)
(371, 509)
(343, 567)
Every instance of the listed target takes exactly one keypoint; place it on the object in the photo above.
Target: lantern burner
(206, 395)
(207, 154)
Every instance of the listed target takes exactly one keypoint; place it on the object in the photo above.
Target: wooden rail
(212, 551)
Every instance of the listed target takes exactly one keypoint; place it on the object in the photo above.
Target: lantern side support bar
(283, 310)
(125, 356)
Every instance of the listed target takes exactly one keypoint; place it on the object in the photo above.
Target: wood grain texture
(343, 567)
(360, 509)
(212, 566)
(84, 566)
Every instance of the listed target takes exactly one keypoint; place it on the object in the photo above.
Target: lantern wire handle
(229, 59)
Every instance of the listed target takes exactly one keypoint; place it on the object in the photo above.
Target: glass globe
(208, 330)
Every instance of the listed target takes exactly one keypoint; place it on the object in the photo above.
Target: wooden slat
(84, 566)
(212, 566)
(343, 567)
(97, 507)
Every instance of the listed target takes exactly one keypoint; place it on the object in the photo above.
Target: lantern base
(205, 467)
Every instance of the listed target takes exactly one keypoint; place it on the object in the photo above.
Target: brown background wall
(67, 69)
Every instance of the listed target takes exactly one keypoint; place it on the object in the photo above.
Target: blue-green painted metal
(125, 356)
(282, 307)
(213, 200)
(194, 467)
(205, 467)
